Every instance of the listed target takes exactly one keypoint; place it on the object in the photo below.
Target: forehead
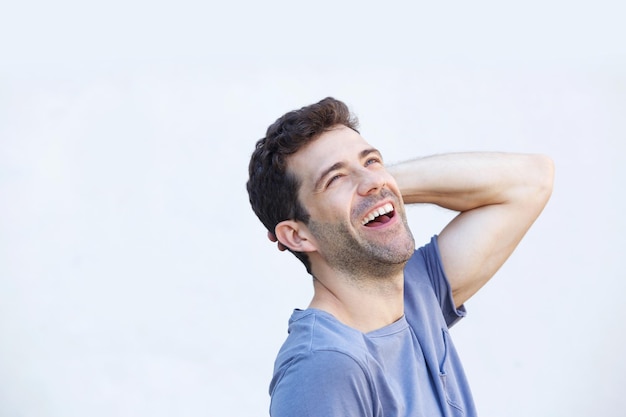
(340, 144)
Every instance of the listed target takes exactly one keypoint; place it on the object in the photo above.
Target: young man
(374, 341)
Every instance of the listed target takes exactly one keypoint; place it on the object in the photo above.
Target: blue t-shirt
(408, 368)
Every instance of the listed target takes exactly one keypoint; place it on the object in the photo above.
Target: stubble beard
(362, 258)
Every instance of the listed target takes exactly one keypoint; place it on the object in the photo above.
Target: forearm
(464, 181)
(499, 196)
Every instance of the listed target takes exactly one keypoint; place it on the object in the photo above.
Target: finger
(271, 236)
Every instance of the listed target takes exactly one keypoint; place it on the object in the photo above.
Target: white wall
(135, 279)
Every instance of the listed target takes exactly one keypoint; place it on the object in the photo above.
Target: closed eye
(333, 179)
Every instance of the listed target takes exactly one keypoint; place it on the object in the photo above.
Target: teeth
(387, 208)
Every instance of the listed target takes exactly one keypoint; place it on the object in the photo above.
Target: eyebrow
(339, 165)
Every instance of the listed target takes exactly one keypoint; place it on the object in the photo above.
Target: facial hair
(358, 255)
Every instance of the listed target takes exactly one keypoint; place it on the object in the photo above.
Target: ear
(295, 236)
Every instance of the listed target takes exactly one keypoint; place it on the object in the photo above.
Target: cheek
(333, 208)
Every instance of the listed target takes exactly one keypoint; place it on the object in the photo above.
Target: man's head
(272, 189)
(316, 183)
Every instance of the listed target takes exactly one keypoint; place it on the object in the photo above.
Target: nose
(371, 181)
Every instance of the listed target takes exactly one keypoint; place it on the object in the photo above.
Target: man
(374, 340)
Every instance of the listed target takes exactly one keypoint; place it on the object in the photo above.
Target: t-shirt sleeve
(433, 268)
(322, 384)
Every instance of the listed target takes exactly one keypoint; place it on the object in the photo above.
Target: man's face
(357, 215)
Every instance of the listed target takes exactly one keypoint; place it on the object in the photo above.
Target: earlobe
(294, 235)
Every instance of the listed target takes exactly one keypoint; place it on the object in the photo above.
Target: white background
(135, 279)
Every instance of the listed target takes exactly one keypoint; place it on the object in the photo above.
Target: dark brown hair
(273, 191)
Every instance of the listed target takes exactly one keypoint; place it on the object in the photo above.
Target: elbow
(548, 173)
(543, 168)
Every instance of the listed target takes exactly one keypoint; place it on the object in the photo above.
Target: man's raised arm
(498, 195)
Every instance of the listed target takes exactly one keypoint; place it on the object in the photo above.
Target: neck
(365, 304)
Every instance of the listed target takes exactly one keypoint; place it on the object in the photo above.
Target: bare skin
(498, 195)
(358, 267)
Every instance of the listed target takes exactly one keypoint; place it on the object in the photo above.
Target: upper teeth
(387, 208)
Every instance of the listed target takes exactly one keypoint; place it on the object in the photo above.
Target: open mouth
(379, 216)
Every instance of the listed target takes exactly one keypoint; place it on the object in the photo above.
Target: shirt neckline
(395, 327)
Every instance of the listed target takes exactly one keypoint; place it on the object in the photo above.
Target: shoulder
(320, 349)
(322, 382)
(427, 288)
(424, 270)
(313, 331)
(426, 260)
(327, 364)
(321, 370)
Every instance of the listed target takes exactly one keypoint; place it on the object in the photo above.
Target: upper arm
(476, 243)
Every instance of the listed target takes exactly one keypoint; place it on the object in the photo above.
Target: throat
(364, 310)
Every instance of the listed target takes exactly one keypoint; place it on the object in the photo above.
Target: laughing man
(374, 340)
